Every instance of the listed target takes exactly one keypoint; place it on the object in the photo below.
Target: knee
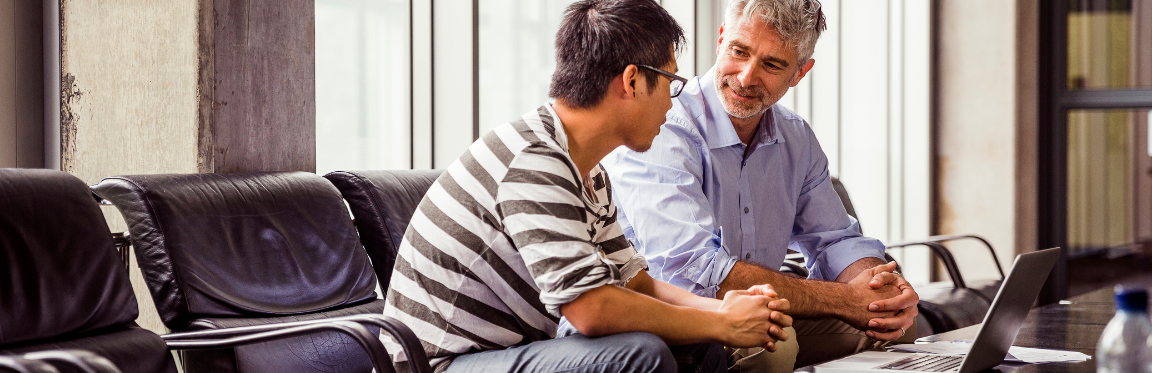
(647, 353)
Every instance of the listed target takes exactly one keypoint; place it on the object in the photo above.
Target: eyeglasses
(676, 84)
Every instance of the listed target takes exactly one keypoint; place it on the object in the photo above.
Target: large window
(517, 56)
(403, 85)
(362, 85)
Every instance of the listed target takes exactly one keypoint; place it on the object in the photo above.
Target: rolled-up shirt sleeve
(542, 212)
(823, 231)
(660, 200)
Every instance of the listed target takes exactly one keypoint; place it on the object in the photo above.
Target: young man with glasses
(735, 180)
(521, 230)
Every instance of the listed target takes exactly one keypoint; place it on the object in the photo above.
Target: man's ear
(720, 40)
(630, 78)
(803, 71)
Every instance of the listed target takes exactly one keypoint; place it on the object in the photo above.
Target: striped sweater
(502, 239)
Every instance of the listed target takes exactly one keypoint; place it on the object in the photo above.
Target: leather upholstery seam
(175, 274)
(376, 205)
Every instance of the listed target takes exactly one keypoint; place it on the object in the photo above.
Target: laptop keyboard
(926, 363)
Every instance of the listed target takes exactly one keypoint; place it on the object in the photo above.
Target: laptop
(1001, 324)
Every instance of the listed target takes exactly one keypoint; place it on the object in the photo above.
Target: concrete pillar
(21, 84)
(985, 127)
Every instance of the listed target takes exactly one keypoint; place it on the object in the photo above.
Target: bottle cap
(1131, 299)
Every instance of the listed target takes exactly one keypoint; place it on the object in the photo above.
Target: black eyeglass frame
(676, 78)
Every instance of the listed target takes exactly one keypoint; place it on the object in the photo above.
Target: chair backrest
(383, 203)
(843, 194)
(60, 275)
(241, 245)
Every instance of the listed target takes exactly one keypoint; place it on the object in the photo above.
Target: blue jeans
(626, 352)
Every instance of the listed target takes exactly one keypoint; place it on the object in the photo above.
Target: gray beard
(734, 110)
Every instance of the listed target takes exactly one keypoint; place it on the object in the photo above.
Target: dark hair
(599, 38)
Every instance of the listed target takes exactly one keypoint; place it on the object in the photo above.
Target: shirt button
(745, 210)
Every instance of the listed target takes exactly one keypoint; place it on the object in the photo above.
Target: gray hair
(799, 22)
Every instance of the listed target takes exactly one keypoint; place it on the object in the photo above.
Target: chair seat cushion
(132, 349)
(987, 288)
(947, 308)
(320, 352)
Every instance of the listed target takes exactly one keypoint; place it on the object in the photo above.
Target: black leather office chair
(383, 203)
(226, 255)
(62, 285)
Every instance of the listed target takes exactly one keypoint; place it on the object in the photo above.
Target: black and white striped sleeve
(540, 203)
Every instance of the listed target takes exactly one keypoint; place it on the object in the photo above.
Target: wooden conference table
(1073, 325)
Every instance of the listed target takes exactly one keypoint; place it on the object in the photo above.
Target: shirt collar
(720, 130)
(561, 137)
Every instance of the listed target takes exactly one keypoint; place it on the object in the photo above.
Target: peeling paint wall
(129, 82)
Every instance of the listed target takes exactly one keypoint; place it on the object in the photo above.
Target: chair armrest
(955, 237)
(120, 240)
(796, 269)
(18, 365)
(946, 257)
(207, 340)
(404, 335)
(83, 361)
(123, 244)
(233, 337)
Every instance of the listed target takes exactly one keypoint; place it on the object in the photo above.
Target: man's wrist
(845, 304)
(719, 325)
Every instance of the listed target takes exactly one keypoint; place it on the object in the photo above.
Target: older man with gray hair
(734, 180)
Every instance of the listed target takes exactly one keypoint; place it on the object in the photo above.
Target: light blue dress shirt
(694, 205)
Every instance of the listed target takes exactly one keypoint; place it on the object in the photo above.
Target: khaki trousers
(812, 341)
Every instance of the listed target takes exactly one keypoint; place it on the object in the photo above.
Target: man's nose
(747, 72)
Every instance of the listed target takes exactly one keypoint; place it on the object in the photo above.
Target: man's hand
(865, 291)
(903, 305)
(748, 320)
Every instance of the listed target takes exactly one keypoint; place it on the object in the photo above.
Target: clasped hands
(757, 317)
(885, 306)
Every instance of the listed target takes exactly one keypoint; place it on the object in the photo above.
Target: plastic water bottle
(1123, 346)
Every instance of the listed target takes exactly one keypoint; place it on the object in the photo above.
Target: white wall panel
(865, 100)
(824, 81)
(684, 11)
(709, 17)
(916, 157)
